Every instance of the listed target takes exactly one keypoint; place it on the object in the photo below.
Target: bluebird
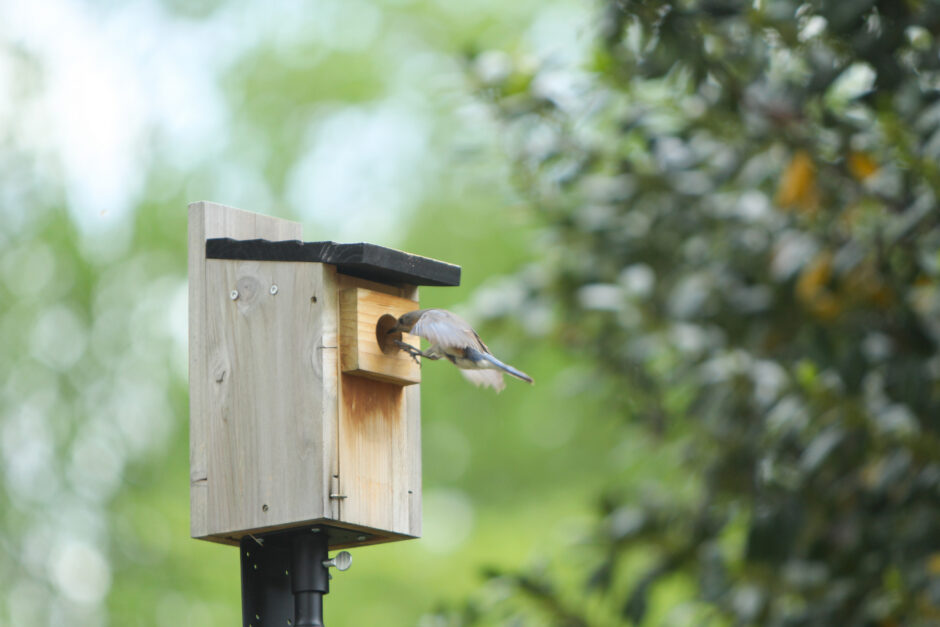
(452, 337)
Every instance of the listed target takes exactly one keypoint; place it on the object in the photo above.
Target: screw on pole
(286, 573)
(341, 561)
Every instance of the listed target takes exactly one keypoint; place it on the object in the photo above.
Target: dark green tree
(739, 203)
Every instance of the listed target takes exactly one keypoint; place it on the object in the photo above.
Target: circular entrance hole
(385, 339)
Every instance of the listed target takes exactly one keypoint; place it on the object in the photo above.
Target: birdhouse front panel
(378, 405)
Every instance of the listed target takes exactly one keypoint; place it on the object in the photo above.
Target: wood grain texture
(360, 353)
(380, 441)
(374, 461)
(269, 454)
(211, 220)
(328, 299)
(413, 442)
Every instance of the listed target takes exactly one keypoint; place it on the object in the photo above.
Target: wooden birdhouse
(303, 412)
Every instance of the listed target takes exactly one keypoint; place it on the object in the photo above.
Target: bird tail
(508, 369)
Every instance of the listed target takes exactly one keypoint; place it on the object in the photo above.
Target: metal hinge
(334, 488)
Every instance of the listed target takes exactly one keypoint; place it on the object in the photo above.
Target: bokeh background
(708, 228)
(352, 117)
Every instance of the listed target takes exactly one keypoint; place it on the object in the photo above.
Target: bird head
(405, 323)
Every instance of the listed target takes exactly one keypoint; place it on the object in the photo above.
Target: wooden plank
(365, 350)
(413, 444)
(373, 460)
(210, 220)
(362, 260)
(379, 445)
(329, 303)
(267, 441)
(198, 435)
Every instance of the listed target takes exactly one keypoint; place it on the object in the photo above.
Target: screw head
(361, 538)
(340, 561)
(234, 294)
(343, 560)
(273, 290)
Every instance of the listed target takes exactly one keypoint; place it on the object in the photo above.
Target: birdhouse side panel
(413, 467)
(210, 220)
(272, 425)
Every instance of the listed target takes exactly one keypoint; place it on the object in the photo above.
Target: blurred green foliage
(740, 228)
(93, 381)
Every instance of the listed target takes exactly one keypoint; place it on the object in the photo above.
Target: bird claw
(411, 350)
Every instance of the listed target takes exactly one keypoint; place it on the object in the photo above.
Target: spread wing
(486, 378)
(446, 329)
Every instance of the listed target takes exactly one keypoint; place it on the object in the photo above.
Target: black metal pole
(309, 578)
(284, 577)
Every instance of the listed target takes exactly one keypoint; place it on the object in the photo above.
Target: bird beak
(394, 329)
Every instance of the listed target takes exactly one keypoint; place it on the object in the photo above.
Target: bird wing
(486, 378)
(446, 329)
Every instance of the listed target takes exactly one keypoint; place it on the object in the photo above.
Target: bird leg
(414, 352)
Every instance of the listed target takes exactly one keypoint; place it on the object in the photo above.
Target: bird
(452, 337)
